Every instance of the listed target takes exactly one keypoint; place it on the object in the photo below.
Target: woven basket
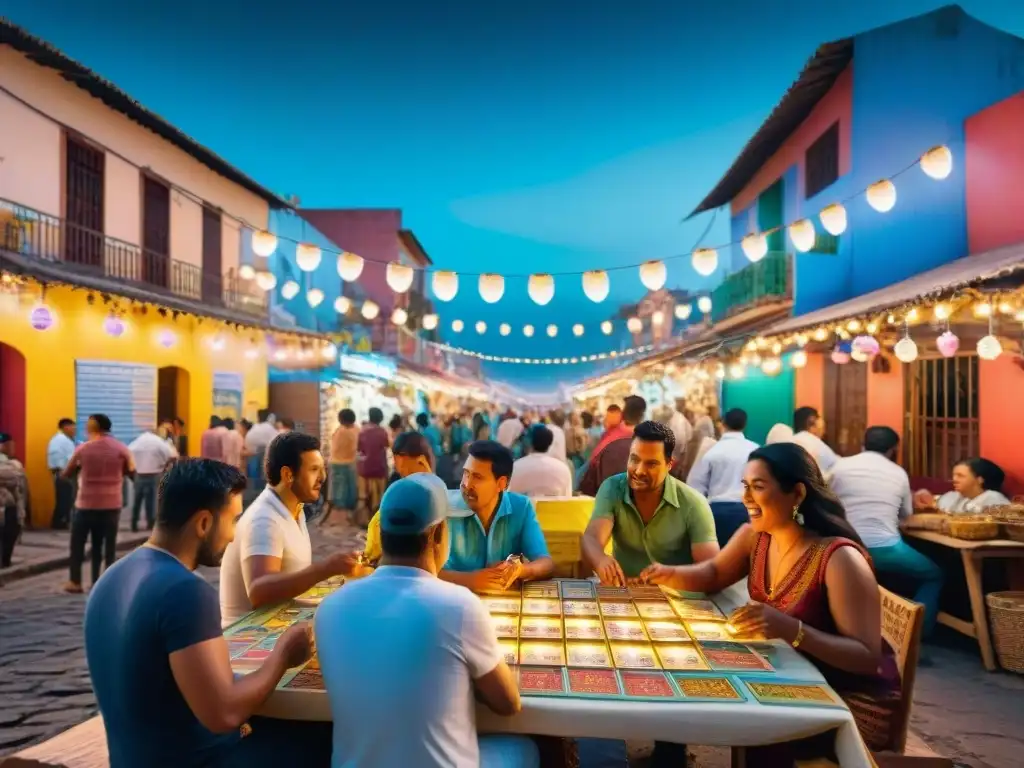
(1006, 615)
(973, 528)
(927, 521)
(1007, 513)
(1014, 531)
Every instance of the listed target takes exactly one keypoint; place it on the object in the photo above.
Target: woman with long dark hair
(811, 584)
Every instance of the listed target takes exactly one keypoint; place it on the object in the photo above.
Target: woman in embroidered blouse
(811, 584)
(977, 485)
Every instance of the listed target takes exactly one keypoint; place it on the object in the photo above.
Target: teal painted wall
(768, 400)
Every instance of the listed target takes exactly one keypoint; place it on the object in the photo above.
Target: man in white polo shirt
(271, 558)
(405, 655)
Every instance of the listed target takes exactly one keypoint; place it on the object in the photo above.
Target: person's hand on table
(296, 644)
(512, 570)
(493, 579)
(924, 500)
(662, 575)
(342, 563)
(610, 572)
(757, 620)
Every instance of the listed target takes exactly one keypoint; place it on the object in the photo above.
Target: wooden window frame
(821, 162)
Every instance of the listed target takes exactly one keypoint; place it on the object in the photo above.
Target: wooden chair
(84, 746)
(902, 626)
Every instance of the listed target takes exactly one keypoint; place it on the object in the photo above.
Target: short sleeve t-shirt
(144, 608)
(373, 452)
(103, 464)
(411, 645)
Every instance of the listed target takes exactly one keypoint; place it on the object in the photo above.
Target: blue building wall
(768, 400)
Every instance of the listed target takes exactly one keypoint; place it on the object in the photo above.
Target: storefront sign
(227, 395)
(367, 365)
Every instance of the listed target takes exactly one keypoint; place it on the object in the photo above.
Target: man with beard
(271, 558)
(159, 664)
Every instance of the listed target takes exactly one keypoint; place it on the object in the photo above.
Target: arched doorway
(172, 398)
(12, 397)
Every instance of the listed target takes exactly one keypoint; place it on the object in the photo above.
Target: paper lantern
(989, 348)
(833, 219)
(657, 317)
(247, 271)
(307, 257)
(798, 359)
(541, 288)
(429, 322)
(948, 344)
(704, 304)
(528, 331)
(802, 235)
(653, 275)
(492, 288)
(882, 195)
(445, 285)
(217, 343)
(737, 371)
(577, 330)
(859, 356)
(263, 243)
(705, 261)
(720, 371)
(41, 317)
(937, 162)
(771, 366)
(481, 327)
(606, 327)
(369, 310)
(342, 305)
(315, 297)
(266, 281)
(167, 338)
(755, 246)
(866, 345)
(683, 311)
(252, 352)
(399, 276)
(634, 325)
(350, 266)
(840, 357)
(289, 290)
(458, 325)
(329, 351)
(504, 329)
(399, 316)
(905, 350)
(596, 285)
(552, 330)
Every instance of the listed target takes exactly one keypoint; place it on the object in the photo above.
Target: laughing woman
(811, 584)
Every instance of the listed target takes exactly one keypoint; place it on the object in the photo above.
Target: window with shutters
(156, 231)
(941, 415)
(213, 279)
(83, 203)
(821, 162)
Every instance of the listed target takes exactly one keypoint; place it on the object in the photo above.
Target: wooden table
(973, 554)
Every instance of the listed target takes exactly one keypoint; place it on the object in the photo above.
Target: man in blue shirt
(489, 523)
(158, 661)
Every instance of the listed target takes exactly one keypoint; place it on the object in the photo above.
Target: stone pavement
(960, 710)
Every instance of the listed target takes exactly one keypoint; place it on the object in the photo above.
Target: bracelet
(799, 636)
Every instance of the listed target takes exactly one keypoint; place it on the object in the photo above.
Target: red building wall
(994, 169)
(12, 398)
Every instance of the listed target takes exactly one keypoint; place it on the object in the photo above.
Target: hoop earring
(798, 515)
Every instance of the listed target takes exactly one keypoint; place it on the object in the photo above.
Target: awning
(969, 272)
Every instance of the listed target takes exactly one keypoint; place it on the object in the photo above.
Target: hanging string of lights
(613, 354)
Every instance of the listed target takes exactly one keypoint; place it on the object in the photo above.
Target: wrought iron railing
(83, 251)
(768, 280)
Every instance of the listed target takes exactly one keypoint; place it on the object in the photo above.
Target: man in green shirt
(649, 515)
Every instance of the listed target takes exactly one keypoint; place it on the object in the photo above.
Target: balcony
(75, 250)
(768, 283)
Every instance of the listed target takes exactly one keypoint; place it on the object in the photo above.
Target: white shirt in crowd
(718, 474)
(541, 474)
(683, 431)
(876, 494)
(557, 449)
(509, 431)
(399, 651)
(957, 504)
(815, 446)
(151, 453)
(59, 451)
(260, 436)
(266, 529)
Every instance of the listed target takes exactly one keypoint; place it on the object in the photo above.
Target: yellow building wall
(78, 334)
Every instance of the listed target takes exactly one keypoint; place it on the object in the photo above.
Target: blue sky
(515, 136)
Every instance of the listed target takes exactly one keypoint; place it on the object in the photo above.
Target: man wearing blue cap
(402, 649)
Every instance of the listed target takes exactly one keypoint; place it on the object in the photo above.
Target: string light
(528, 331)
(350, 266)
(653, 275)
(315, 297)
(399, 316)
(683, 311)
(263, 243)
(266, 280)
(342, 305)
(445, 285)
(755, 247)
(705, 261)
(704, 305)
(370, 310)
(833, 219)
(247, 272)
(307, 257)
(937, 162)
(541, 288)
(802, 235)
(457, 326)
(492, 287)
(552, 330)
(577, 330)
(399, 276)
(596, 285)
(634, 325)
(657, 318)
(881, 195)
(606, 327)
(289, 290)
(429, 322)
(504, 329)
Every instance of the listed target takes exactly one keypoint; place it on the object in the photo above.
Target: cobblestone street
(960, 711)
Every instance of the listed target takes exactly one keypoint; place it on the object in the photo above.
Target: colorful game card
(308, 679)
(577, 590)
(540, 589)
(541, 681)
(536, 653)
(580, 608)
(708, 630)
(498, 604)
(594, 682)
(583, 629)
(612, 593)
(506, 626)
(540, 628)
(733, 656)
(619, 629)
(634, 656)
(696, 609)
(655, 609)
(510, 651)
(646, 592)
(798, 694)
(267, 643)
(681, 656)
(717, 689)
(237, 647)
(541, 606)
(587, 655)
(667, 631)
(618, 608)
(646, 685)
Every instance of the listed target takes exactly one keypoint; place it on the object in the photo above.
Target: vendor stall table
(563, 521)
(973, 554)
(618, 663)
